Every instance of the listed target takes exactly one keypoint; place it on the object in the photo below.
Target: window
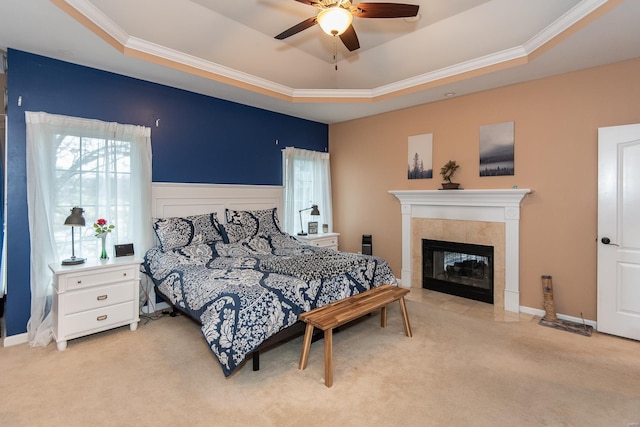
(104, 168)
(307, 181)
(94, 174)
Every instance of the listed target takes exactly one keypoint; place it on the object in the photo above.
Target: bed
(244, 280)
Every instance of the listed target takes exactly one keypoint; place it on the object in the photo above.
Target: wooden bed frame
(178, 199)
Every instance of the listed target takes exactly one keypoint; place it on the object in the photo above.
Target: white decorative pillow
(177, 232)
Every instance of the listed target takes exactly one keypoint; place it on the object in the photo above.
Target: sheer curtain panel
(104, 168)
(307, 181)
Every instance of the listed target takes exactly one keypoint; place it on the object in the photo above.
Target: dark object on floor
(566, 325)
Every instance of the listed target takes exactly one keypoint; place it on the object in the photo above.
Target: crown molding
(95, 15)
(566, 21)
(162, 55)
(190, 61)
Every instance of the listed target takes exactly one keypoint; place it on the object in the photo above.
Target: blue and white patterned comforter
(243, 293)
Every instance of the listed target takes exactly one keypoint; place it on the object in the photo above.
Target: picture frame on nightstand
(313, 227)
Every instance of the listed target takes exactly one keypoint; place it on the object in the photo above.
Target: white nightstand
(94, 296)
(322, 240)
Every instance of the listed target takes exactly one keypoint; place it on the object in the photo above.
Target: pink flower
(101, 221)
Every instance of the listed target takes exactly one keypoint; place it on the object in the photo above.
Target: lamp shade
(314, 210)
(334, 20)
(75, 219)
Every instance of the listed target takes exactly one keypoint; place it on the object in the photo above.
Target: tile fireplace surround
(485, 217)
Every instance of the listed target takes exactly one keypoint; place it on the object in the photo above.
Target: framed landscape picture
(419, 165)
(497, 146)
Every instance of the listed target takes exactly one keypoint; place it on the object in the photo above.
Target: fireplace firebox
(461, 269)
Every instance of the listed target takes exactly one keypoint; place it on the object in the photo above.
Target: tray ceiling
(227, 48)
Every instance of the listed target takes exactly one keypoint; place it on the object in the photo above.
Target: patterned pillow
(257, 245)
(177, 232)
(232, 233)
(263, 221)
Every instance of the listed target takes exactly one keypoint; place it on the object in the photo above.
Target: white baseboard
(150, 308)
(24, 338)
(162, 306)
(541, 313)
(15, 340)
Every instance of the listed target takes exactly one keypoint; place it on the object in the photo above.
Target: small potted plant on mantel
(447, 172)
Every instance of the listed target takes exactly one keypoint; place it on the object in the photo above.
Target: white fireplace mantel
(471, 205)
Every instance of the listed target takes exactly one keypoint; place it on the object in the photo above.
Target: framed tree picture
(497, 145)
(420, 149)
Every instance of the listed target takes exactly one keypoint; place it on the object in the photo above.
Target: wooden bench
(344, 311)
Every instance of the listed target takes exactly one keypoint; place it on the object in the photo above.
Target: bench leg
(308, 333)
(383, 316)
(328, 360)
(405, 317)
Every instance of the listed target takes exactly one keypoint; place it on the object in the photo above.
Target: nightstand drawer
(323, 243)
(98, 319)
(98, 277)
(320, 240)
(99, 296)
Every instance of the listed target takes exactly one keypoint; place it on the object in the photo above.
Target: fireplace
(461, 269)
(483, 217)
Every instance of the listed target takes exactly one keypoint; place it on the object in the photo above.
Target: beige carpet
(458, 370)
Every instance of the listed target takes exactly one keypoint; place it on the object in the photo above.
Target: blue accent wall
(200, 139)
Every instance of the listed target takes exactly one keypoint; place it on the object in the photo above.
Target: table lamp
(314, 212)
(74, 220)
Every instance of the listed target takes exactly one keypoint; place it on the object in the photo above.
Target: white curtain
(106, 184)
(307, 181)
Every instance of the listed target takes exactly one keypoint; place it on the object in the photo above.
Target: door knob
(606, 240)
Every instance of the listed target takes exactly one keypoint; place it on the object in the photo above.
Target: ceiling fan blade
(309, 2)
(350, 39)
(307, 23)
(385, 10)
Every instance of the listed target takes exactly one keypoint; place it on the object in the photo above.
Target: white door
(619, 231)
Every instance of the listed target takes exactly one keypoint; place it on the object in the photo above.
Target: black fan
(346, 11)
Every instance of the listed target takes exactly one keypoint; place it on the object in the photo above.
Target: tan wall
(556, 123)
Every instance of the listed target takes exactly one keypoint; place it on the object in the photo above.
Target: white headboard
(179, 199)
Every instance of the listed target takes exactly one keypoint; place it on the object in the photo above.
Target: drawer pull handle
(124, 274)
(79, 281)
(100, 318)
(102, 297)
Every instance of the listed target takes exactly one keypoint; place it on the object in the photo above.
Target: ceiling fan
(335, 18)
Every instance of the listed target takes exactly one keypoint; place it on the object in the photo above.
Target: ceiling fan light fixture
(334, 20)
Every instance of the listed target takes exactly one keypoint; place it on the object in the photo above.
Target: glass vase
(103, 253)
